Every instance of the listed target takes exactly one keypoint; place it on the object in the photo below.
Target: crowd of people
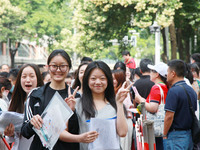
(95, 90)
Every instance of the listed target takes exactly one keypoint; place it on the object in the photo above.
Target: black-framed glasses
(62, 68)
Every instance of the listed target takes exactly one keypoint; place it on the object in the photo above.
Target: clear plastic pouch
(7, 117)
(55, 117)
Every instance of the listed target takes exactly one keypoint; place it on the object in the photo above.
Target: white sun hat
(160, 68)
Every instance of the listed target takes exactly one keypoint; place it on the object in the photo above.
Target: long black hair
(194, 67)
(188, 73)
(19, 95)
(77, 82)
(120, 65)
(87, 99)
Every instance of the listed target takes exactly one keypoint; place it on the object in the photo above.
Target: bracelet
(164, 135)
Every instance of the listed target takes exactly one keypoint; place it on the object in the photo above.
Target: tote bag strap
(189, 100)
(161, 93)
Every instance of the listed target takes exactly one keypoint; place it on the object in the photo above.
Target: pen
(42, 131)
(44, 135)
(43, 115)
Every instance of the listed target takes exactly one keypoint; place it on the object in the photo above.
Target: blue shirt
(177, 102)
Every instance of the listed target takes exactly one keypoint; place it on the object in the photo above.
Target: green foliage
(36, 20)
(103, 20)
(48, 19)
(146, 48)
(87, 26)
(187, 20)
(11, 18)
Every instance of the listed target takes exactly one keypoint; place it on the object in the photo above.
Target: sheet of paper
(134, 110)
(108, 138)
(54, 117)
(8, 117)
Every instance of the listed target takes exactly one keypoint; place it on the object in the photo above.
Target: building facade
(28, 52)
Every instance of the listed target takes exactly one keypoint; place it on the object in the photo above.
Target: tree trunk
(187, 49)
(164, 55)
(180, 44)
(172, 32)
(187, 38)
(13, 52)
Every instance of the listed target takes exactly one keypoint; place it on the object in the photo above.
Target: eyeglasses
(62, 68)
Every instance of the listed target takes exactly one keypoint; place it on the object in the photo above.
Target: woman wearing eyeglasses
(59, 64)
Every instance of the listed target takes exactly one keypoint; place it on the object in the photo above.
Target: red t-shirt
(131, 63)
(155, 95)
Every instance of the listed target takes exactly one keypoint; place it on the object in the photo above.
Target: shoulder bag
(158, 117)
(195, 125)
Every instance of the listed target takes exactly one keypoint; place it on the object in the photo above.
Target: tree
(10, 21)
(35, 20)
(45, 20)
(173, 40)
(102, 20)
(11, 29)
(13, 51)
(187, 23)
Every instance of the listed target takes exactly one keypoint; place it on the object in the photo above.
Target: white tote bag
(158, 117)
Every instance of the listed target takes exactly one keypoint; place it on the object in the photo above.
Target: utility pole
(155, 28)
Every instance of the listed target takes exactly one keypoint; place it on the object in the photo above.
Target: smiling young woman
(78, 82)
(28, 78)
(98, 101)
(59, 64)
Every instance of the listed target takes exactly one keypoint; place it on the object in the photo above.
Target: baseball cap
(160, 68)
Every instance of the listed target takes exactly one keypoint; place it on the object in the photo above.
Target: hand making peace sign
(70, 100)
(122, 92)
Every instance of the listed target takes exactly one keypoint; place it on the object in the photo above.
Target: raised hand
(9, 131)
(138, 98)
(70, 100)
(122, 92)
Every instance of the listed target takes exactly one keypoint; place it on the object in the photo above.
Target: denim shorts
(178, 140)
